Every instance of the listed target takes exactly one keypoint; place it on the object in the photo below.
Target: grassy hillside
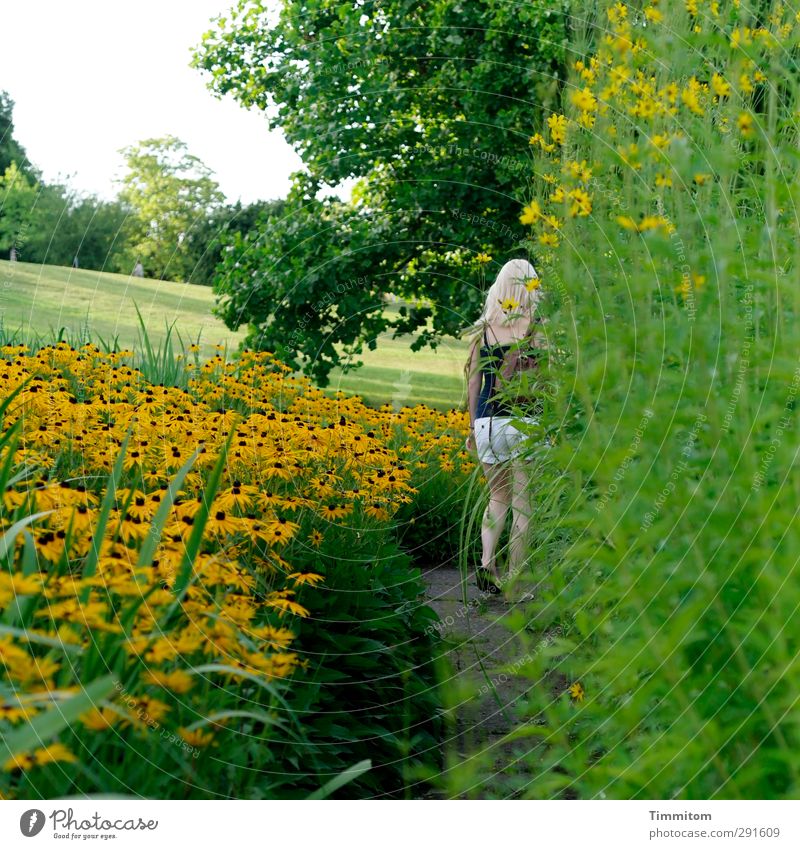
(40, 301)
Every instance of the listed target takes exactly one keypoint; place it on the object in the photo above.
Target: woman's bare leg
(521, 515)
(498, 477)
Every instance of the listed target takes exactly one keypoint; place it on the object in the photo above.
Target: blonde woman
(507, 319)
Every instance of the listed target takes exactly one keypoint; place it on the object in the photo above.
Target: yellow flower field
(175, 538)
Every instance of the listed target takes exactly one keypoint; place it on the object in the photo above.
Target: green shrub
(666, 508)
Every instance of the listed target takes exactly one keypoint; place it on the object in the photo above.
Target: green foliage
(10, 149)
(211, 237)
(372, 684)
(170, 192)
(665, 529)
(363, 716)
(18, 212)
(430, 108)
(318, 311)
(69, 226)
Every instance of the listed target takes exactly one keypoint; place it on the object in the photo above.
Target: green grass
(43, 301)
(394, 374)
(40, 300)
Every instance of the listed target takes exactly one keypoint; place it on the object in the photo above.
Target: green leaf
(45, 726)
(339, 781)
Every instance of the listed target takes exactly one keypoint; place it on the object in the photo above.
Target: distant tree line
(170, 214)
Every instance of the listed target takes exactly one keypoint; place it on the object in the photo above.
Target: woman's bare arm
(473, 381)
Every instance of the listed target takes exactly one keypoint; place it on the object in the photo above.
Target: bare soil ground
(478, 645)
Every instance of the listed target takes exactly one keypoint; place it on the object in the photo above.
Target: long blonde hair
(511, 299)
(511, 286)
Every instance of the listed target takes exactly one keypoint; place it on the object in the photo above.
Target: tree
(211, 237)
(429, 107)
(317, 309)
(170, 192)
(11, 151)
(70, 225)
(19, 212)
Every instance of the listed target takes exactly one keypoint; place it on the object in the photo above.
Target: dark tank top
(491, 359)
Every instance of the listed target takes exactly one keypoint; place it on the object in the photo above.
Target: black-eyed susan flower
(196, 738)
(576, 692)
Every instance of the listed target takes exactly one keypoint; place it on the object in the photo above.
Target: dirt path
(478, 646)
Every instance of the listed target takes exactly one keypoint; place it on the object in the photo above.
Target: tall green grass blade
(98, 535)
(45, 726)
(156, 529)
(198, 529)
(339, 781)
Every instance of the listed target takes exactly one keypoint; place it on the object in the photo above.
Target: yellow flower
(721, 86)
(617, 13)
(99, 719)
(581, 203)
(660, 140)
(335, 511)
(311, 578)
(576, 692)
(663, 180)
(178, 681)
(584, 100)
(557, 125)
(508, 304)
(198, 738)
(11, 712)
(483, 258)
(653, 15)
(691, 96)
(315, 538)
(533, 284)
(549, 240)
(530, 213)
(745, 124)
(55, 752)
(552, 221)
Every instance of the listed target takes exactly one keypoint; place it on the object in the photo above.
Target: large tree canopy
(170, 192)
(429, 108)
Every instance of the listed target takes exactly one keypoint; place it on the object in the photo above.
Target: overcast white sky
(92, 76)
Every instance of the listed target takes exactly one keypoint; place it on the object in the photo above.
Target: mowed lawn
(41, 301)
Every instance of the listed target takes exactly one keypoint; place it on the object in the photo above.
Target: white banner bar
(379, 824)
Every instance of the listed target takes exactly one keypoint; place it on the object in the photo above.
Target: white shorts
(497, 440)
